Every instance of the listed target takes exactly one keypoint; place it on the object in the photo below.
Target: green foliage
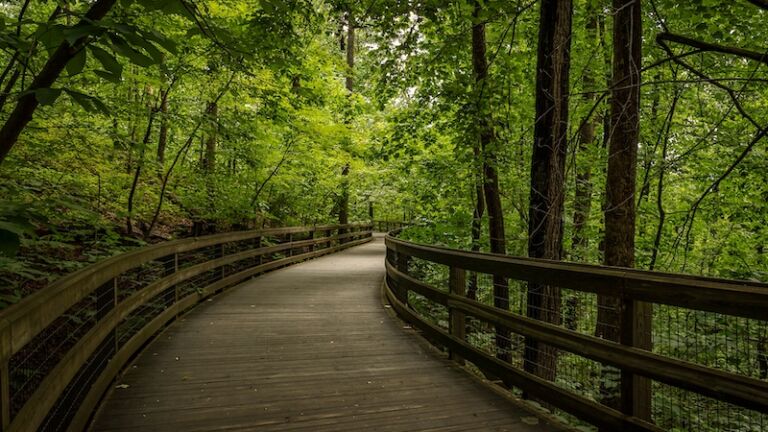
(284, 126)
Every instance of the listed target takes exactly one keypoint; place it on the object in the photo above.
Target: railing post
(169, 268)
(257, 245)
(311, 237)
(176, 286)
(635, 331)
(290, 240)
(402, 266)
(220, 254)
(457, 284)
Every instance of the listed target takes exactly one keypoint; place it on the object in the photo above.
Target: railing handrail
(22, 323)
(697, 292)
(730, 297)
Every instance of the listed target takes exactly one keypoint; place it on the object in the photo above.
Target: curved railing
(692, 364)
(388, 225)
(61, 347)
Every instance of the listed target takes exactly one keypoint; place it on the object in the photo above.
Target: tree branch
(706, 46)
(28, 103)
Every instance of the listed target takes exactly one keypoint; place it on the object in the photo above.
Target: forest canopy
(134, 121)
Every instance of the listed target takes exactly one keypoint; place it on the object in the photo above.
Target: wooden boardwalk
(308, 348)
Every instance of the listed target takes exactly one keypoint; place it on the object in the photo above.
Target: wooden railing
(741, 302)
(61, 347)
(388, 225)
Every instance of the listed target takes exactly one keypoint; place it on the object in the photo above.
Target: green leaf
(77, 63)
(51, 36)
(167, 43)
(109, 76)
(135, 57)
(89, 103)
(107, 60)
(147, 46)
(47, 96)
(72, 34)
(178, 7)
(16, 228)
(9, 243)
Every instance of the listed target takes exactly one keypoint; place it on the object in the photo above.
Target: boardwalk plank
(306, 348)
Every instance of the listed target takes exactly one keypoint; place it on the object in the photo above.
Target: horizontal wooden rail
(735, 298)
(738, 298)
(389, 225)
(22, 323)
(593, 412)
(714, 383)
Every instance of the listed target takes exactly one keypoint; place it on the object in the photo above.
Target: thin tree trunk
(209, 157)
(184, 148)
(343, 202)
(477, 218)
(350, 51)
(137, 173)
(582, 205)
(491, 178)
(28, 103)
(279, 164)
(344, 198)
(660, 187)
(162, 139)
(634, 320)
(546, 208)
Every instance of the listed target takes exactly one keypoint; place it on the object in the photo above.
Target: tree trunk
(350, 51)
(162, 139)
(545, 211)
(582, 205)
(491, 179)
(477, 218)
(209, 159)
(28, 103)
(137, 173)
(634, 320)
(344, 197)
(350, 84)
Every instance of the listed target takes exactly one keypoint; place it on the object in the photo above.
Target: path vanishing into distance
(309, 347)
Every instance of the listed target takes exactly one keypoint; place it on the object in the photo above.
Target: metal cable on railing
(61, 347)
(705, 370)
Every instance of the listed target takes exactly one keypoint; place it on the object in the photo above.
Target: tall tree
(582, 205)
(547, 195)
(209, 158)
(349, 48)
(634, 317)
(162, 139)
(28, 103)
(488, 150)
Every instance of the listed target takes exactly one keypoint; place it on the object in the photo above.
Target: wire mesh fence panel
(66, 406)
(734, 344)
(428, 272)
(29, 366)
(610, 338)
(678, 409)
(103, 318)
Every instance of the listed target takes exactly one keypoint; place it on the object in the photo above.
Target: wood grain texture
(308, 348)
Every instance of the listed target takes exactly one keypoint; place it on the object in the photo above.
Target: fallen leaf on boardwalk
(122, 386)
(530, 420)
